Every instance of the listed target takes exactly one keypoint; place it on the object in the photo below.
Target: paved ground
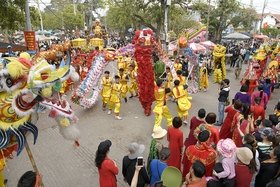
(63, 165)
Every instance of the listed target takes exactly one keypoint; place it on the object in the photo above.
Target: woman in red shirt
(231, 111)
(107, 168)
(257, 110)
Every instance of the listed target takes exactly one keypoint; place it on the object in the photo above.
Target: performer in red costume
(143, 41)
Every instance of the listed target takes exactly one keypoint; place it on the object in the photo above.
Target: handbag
(227, 102)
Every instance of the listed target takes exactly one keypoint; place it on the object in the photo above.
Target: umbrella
(41, 38)
(236, 36)
(172, 47)
(208, 44)
(263, 37)
(197, 47)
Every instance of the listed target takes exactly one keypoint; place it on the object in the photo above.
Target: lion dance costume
(143, 41)
(219, 63)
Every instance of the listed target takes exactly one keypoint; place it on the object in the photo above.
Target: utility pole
(167, 3)
(264, 5)
(74, 6)
(40, 15)
(207, 25)
(28, 26)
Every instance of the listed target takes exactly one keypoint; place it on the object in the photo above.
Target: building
(272, 20)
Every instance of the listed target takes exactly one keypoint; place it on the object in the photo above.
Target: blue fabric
(221, 109)
(157, 168)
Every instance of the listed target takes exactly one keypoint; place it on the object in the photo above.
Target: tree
(34, 16)
(144, 13)
(12, 14)
(271, 32)
(226, 13)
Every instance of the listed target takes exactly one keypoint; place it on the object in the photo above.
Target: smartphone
(140, 161)
(158, 184)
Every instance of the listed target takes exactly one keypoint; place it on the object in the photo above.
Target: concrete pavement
(63, 165)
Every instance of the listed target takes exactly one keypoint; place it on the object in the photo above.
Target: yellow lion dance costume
(219, 63)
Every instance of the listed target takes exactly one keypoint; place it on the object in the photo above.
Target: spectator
(238, 66)
(29, 179)
(195, 178)
(269, 168)
(267, 87)
(268, 141)
(158, 165)
(107, 168)
(262, 95)
(129, 162)
(214, 132)
(257, 111)
(223, 92)
(175, 138)
(243, 96)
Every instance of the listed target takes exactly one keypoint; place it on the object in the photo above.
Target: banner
(30, 40)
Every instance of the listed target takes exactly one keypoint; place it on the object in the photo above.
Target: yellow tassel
(15, 70)
(47, 92)
(64, 122)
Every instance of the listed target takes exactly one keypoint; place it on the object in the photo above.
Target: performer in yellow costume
(121, 62)
(177, 65)
(219, 63)
(106, 90)
(160, 107)
(183, 103)
(133, 83)
(115, 98)
(181, 78)
(123, 80)
(167, 76)
(203, 75)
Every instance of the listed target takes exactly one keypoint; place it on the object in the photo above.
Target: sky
(273, 6)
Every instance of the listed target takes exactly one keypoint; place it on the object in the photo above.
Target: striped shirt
(265, 149)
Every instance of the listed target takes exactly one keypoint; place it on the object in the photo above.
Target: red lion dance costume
(143, 41)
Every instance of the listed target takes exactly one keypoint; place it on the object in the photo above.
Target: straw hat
(244, 154)
(159, 132)
(226, 147)
(135, 150)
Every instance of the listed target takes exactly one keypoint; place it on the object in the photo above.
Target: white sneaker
(118, 118)
(185, 122)
(109, 112)
(205, 90)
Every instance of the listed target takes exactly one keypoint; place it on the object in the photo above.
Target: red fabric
(225, 129)
(195, 122)
(175, 138)
(243, 176)
(198, 183)
(257, 111)
(214, 137)
(107, 173)
(236, 135)
(206, 154)
(253, 84)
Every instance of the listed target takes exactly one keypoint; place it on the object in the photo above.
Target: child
(175, 138)
(226, 148)
(115, 98)
(106, 90)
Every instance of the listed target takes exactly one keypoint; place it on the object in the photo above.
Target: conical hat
(171, 177)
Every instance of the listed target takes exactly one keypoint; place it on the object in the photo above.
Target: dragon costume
(219, 63)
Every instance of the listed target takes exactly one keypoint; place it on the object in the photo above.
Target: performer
(168, 78)
(183, 103)
(115, 98)
(203, 74)
(121, 63)
(160, 106)
(201, 151)
(106, 90)
(133, 83)
(181, 78)
(218, 72)
(219, 63)
(177, 65)
(123, 80)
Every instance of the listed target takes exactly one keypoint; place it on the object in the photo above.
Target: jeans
(221, 109)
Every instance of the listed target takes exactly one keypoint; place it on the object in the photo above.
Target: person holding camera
(223, 92)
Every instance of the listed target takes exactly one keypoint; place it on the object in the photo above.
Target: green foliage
(271, 32)
(12, 14)
(148, 13)
(34, 16)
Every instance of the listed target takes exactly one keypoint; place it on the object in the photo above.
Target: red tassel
(76, 143)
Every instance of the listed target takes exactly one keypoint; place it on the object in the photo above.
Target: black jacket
(224, 94)
(128, 169)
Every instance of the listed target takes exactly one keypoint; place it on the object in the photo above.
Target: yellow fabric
(177, 66)
(182, 79)
(166, 114)
(116, 93)
(63, 88)
(160, 100)
(203, 78)
(169, 81)
(133, 83)
(117, 107)
(2, 178)
(106, 91)
(121, 64)
(124, 84)
(218, 75)
(182, 99)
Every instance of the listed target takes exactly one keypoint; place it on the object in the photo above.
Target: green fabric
(152, 155)
(159, 67)
(57, 86)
